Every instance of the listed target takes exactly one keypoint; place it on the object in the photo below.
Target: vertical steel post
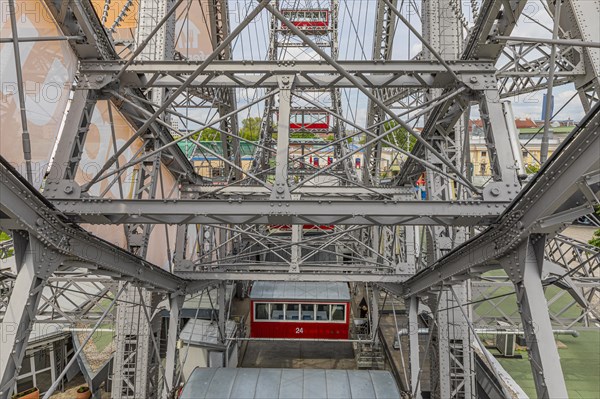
(34, 268)
(413, 344)
(176, 302)
(281, 189)
(524, 268)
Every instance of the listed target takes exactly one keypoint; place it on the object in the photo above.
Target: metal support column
(60, 181)
(524, 268)
(281, 189)
(296, 249)
(222, 304)
(176, 302)
(35, 266)
(413, 345)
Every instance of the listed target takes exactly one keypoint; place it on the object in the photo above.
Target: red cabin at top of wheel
(310, 20)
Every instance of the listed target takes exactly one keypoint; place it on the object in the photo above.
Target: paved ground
(317, 355)
(388, 327)
(581, 233)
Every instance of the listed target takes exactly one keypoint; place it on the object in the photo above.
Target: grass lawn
(580, 363)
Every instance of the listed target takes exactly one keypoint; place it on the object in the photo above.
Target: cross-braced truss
(191, 153)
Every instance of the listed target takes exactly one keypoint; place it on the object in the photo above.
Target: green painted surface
(580, 362)
(188, 147)
(556, 130)
(102, 339)
(557, 298)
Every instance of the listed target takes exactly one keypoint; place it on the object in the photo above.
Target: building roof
(47, 331)
(526, 123)
(246, 149)
(205, 332)
(247, 383)
(300, 290)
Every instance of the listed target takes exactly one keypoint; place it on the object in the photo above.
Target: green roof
(580, 362)
(557, 130)
(188, 147)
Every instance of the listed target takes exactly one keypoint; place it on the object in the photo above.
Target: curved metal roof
(300, 290)
(246, 383)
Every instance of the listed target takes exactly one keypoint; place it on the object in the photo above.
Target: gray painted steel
(204, 332)
(240, 383)
(300, 290)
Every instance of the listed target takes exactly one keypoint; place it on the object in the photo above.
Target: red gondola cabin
(313, 20)
(309, 120)
(316, 310)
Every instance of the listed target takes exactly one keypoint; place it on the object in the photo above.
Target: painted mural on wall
(48, 71)
(104, 137)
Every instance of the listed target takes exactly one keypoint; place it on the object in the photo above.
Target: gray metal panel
(222, 383)
(315, 384)
(300, 290)
(361, 385)
(268, 383)
(244, 386)
(198, 383)
(204, 332)
(240, 383)
(292, 384)
(338, 384)
(385, 387)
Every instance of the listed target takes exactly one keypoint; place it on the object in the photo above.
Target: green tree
(251, 128)
(208, 134)
(532, 168)
(595, 241)
(399, 137)
(5, 237)
(302, 135)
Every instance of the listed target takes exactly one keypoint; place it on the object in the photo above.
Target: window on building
(484, 153)
(307, 311)
(323, 312)
(292, 311)
(337, 312)
(261, 311)
(277, 311)
(37, 370)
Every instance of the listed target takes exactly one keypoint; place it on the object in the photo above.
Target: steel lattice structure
(118, 212)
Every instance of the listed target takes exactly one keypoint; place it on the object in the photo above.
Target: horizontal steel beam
(309, 74)
(305, 191)
(23, 208)
(286, 276)
(558, 42)
(320, 212)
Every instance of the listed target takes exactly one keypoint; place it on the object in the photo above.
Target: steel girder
(35, 263)
(478, 47)
(78, 17)
(565, 186)
(309, 74)
(319, 212)
(344, 275)
(382, 51)
(521, 74)
(524, 267)
(23, 208)
(570, 265)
